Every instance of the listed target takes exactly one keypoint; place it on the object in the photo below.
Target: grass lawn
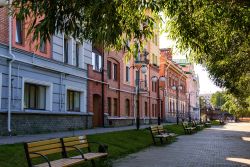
(215, 122)
(119, 144)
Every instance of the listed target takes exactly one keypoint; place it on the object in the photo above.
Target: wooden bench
(197, 125)
(82, 146)
(161, 130)
(158, 132)
(187, 129)
(43, 149)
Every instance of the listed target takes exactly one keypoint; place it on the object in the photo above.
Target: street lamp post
(177, 88)
(158, 80)
(189, 108)
(140, 66)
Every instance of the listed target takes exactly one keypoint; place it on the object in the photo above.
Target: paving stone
(208, 148)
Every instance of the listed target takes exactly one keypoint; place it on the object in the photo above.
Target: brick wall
(4, 25)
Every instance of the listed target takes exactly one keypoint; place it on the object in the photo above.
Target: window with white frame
(76, 54)
(73, 100)
(96, 61)
(34, 96)
(37, 94)
(66, 50)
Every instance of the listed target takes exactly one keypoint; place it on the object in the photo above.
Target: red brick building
(176, 77)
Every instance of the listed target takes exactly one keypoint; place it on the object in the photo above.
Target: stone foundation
(28, 123)
(128, 122)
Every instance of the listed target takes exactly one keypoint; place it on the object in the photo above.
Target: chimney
(167, 52)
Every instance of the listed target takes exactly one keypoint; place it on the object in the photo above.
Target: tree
(217, 99)
(234, 106)
(216, 33)
(108, 22)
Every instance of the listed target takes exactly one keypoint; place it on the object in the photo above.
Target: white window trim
(49, 91)
(83, 98)
(1, 90)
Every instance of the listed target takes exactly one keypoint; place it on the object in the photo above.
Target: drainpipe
(12, 59)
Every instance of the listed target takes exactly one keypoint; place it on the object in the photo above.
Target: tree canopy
(217, 99)
(215, 32)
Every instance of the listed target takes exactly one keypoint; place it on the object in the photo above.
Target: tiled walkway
(223, 146)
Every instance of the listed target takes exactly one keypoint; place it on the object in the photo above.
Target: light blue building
(40, 94)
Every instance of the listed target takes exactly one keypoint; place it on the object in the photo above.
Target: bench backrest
(43, 147)
(76, 141)
(161, 129)
(185, 124)
(154, 130)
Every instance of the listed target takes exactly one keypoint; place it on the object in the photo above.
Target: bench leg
(93, 163)
(161, 141)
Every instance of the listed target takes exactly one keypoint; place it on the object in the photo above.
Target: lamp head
(162, 79)
(174, 87)
(144, 69)
(154, 79)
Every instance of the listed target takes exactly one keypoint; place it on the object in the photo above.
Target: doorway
(97, 109)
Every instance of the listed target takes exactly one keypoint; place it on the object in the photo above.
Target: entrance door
(97, 118)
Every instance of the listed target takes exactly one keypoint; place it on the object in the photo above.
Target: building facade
(175, 104)
(43, 84)
(192, 88)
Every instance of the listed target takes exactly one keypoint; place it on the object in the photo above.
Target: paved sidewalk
(227, 146)
(35, 137)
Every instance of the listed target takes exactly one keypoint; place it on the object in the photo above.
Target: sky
(206, 84)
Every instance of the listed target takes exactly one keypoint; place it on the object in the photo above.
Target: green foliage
(235, 106)
(215, 122)
(107, 22)
(217, 35)
(217, 99)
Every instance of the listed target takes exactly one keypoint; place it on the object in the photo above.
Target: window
(109, 106)
(146, 108)
(96, 62)
(127, 74)
(73, 100)
(42, 46)
(115, 72)
(115, 107)
(169, 82)
(34, 96)
(137, 78)
(145, 81)
(66, 50)
(19, 31)
(154, 86)
(109, 69)
(77, 54)
(170, 105)
(153, 110)
(127, 106)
